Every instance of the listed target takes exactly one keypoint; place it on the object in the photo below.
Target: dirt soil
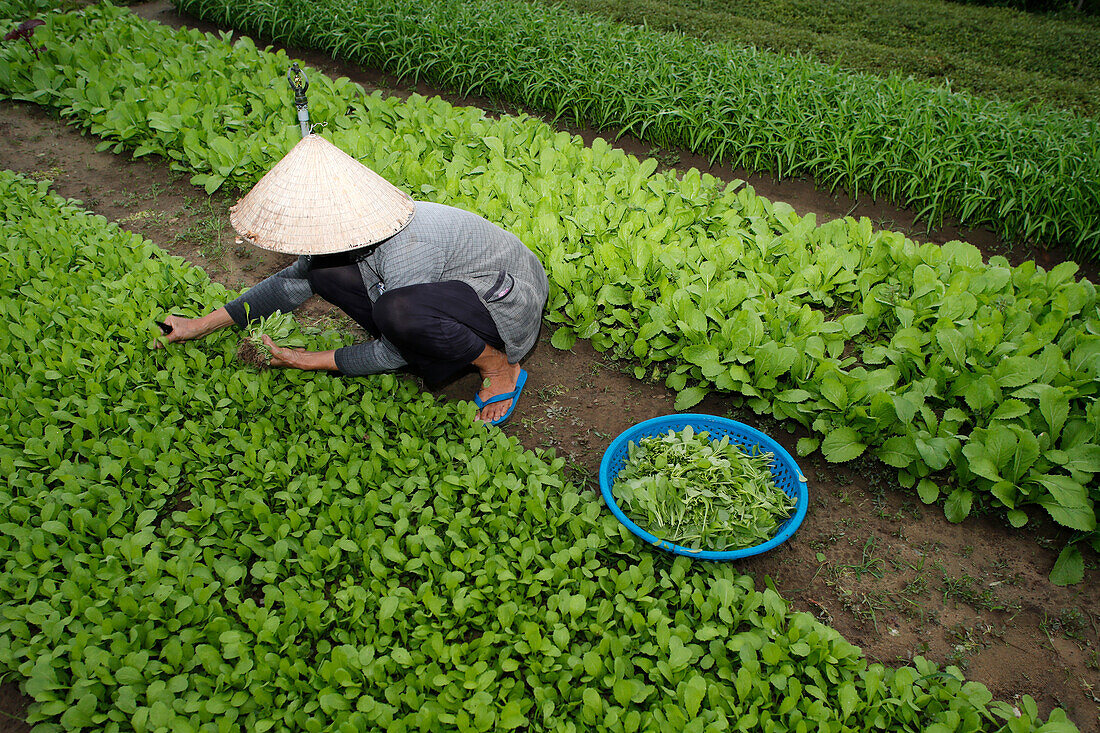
(889, 573)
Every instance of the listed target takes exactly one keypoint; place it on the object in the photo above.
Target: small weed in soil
(151, 217)
(51, 173)
(128, 200)
(206, 233)
(962, 589)
(667, 158)
(964, 643)
(1070, 623)
(550, 391)
(869, 565)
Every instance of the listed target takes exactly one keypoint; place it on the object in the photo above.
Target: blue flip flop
(513, 396)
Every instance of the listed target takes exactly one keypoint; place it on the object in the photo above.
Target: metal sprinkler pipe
(300, 84)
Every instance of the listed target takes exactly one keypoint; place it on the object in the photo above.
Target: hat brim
(320, 200)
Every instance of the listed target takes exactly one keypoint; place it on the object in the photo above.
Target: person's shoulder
(431, 217)
(430, 209)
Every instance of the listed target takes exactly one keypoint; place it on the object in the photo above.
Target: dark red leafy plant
(25, 30)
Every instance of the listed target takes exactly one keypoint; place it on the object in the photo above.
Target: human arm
(184, 329)
(290, 358)
(372, 357)
(284, 291)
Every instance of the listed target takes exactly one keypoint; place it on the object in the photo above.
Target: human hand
(183, 328)
(282, 356)
(180, 328)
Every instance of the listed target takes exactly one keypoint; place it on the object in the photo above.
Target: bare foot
(502, 377)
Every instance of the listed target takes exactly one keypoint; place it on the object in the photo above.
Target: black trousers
(439, 328)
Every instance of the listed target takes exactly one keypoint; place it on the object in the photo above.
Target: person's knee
(395, 313)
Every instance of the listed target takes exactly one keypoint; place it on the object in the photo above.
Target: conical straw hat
(320, 200)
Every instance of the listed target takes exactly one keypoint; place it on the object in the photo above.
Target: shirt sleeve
(371, 357)
(284, 291)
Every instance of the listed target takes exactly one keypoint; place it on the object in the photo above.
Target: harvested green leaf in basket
(701, 494)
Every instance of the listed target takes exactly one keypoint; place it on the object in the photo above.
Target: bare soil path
(889, 573)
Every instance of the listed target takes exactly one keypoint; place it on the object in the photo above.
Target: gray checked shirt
(441, 243)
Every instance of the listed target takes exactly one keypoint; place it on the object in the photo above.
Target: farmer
(439, 288)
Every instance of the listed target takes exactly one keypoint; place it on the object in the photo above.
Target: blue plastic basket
(784, 470)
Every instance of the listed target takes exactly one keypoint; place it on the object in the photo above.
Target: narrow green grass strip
(991, 52)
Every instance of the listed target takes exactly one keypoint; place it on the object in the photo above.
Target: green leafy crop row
(989, 52)
(1029, 175)
(23, 9)
(977, 381)
(186, 544)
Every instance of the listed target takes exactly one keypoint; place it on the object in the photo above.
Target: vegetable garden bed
(975, 380)
(167, 564)
(552, 405)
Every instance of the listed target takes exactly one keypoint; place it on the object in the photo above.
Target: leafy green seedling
(279, 326)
